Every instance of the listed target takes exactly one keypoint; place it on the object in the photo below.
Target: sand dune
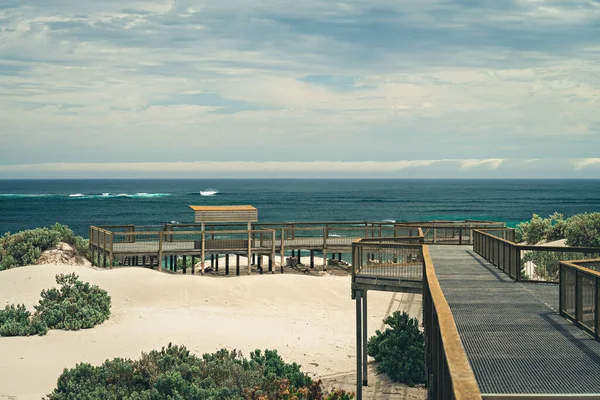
(310, 320)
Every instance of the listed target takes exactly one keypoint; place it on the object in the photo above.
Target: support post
(237, 265)
(364, 338)
(324, 259)
(217, 263)
(184, 264)
(282, 249)
(312, 258)
(227, 264)
(160, 249)
(249, 247)
(358, 345)
(193, 265)
(203, 252)
(299, 257)
(272, 259)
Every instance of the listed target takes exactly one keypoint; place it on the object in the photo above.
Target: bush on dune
(175, 373)
(399, 351)
(25, 247)
(76, 305)
(582, 230)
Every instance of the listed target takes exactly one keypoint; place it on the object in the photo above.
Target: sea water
(28, 204)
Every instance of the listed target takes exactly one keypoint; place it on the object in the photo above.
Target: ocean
(28, 204)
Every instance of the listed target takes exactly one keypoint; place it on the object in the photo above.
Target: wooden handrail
(464, 383)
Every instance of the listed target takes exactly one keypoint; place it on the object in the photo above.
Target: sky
(271, 88)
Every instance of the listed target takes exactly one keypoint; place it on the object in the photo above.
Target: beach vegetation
(25, 247)
(75, 305)
(399, 350)
(175, 373)
(581, 230)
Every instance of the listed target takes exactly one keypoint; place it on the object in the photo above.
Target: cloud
(363, 80)
(492, 163)
(586, 163)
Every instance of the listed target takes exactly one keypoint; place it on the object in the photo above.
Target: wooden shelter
(225, 214)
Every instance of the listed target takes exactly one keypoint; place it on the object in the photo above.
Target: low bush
(175, 373)
(17, 321)
(25, 247)
(76, 305)
(399, 351)
(583, 230)
(580, 230)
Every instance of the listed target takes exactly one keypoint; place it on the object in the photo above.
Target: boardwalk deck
(512, 333)
(333, 243)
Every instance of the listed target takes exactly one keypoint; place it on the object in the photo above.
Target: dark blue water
(79, 203)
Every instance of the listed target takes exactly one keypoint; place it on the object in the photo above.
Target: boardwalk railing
(449, 373)
(528, 263)
(451, 232)
(579, 295)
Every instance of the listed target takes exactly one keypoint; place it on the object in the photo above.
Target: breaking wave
(118, 195)
(208, 192)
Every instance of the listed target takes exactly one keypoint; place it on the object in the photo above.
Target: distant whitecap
(208, 192)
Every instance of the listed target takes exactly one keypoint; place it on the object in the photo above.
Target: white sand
(309, 320)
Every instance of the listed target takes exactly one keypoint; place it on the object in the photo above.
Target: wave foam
(208, 192)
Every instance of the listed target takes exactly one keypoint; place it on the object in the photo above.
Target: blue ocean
(28, 204)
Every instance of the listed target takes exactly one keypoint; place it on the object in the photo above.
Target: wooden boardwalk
(515, 340)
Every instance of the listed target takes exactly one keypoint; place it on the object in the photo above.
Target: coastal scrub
(76, 305)
(175, 373)
(25, 247)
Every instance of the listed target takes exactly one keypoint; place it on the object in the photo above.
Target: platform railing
(579, 294)
(451, 233)
(527, 263)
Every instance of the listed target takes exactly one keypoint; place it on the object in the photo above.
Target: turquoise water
(80, 203)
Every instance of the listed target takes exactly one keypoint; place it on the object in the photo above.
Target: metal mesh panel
(587, 300)
(567, 291)
(391, 262)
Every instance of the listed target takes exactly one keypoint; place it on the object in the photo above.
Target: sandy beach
(308, 319)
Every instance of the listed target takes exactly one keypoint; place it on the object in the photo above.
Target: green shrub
(533, 231)
(175, 373)
(400, 350)
(583, 230)
(547, 263)
(17, 321)
(25, 247)
(76, 305)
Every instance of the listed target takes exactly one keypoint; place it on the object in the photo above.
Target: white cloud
(103, 82)
(586, 163)
(492, 163)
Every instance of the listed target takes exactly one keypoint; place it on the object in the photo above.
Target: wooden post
(160, 249)
(359, 345)
(312, 258)
(203, 246)
(272, 259)
(364, 337)
(260, 268)
(249, 247)
(324, 259)
(299, 257)
(184, 264)
(217, 263)
(193, 265)
(282, 250)
(237, 265)
(226, 264)
(212, 261)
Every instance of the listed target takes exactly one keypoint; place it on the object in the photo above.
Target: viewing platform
(502, 320)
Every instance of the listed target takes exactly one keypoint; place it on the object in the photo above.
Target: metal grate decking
(514, 338)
